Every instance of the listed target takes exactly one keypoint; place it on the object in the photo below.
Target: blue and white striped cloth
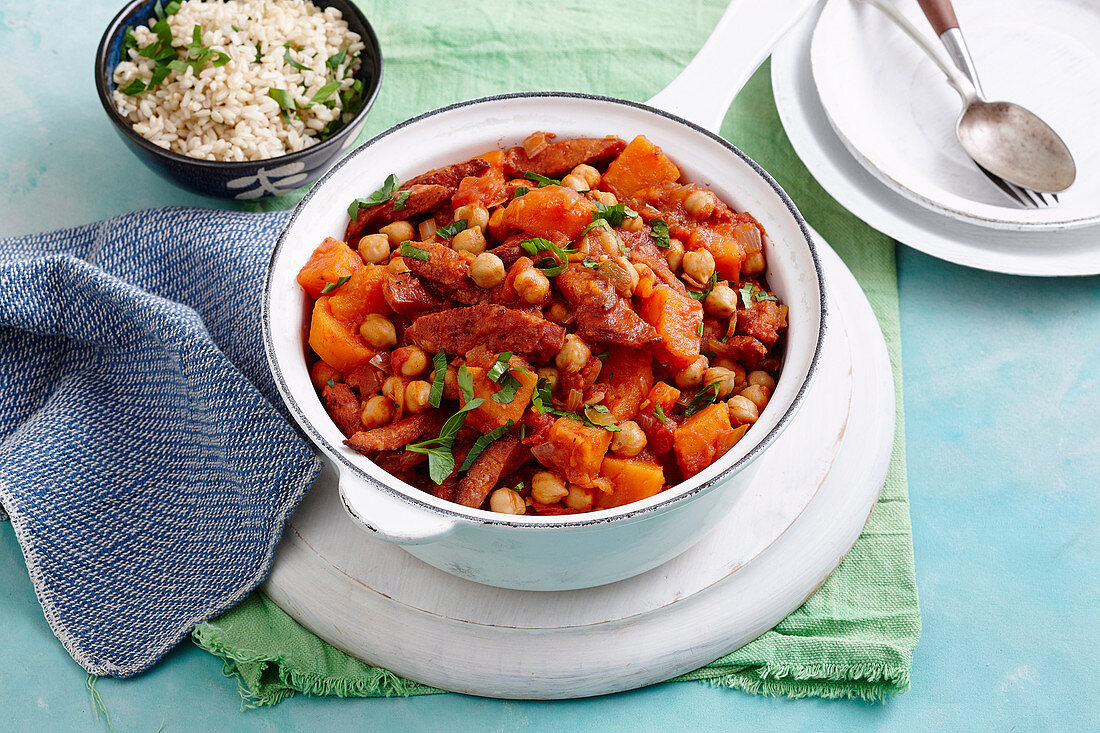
(145, 470)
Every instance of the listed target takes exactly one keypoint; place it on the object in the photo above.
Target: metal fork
(942, 17)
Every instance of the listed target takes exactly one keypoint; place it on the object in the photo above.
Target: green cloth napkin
(855, 636)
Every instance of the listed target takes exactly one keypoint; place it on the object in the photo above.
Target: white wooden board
(778, 544)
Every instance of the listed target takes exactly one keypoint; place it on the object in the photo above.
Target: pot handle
(743, 38)
(392, 518)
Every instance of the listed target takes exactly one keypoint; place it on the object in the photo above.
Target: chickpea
(548, 487)
(722, 301)
(378, 331)
(674, 254)
(692, 375)
(551, 375)
(409, 361)
(574, 354)
(398, 232)
(627, 289)
(727, 380)
(607, 239)
(427, 229)
(700, 204)
(633, 224)
(374, 248)
(762, 378)
(579, 498)
(742, 410)
(558, 313)
(476, 216)
(377, 411)
(469, 240)
(416, 396)
(758, 394)
(394, 389)
(507, 501)
(532, 285)
(588, 174)
(575, 182)
(753, 264)
(321, 372)
(699, 265)
(629, 441)
(605, 197)
(487, 270)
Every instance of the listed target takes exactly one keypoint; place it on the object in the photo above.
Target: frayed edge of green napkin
(872, 683)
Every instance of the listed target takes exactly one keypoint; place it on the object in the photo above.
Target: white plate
(1067, 252)
(896, 113)
(785, 535)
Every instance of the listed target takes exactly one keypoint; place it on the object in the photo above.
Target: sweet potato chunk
(336, 341)
(556, 159)
(705, 437)
(632, 479)
(724, 243)
(574, 450)
(641, 165)
(542, 212)
(492, 414)
(485, 189)
(627, 378)
(676, 319)
(360, 296)
(328, 263)
(500, 329)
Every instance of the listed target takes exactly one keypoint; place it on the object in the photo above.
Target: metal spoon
(1003, 138)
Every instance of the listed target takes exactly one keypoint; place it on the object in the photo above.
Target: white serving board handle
(743, 38)
(392, 518)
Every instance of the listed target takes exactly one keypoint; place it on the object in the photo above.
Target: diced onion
(535, 143)
(599, 418)
(382, 361)
(574, 400)
(749, 237)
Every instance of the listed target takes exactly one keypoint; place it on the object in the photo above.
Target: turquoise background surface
(1002, 397)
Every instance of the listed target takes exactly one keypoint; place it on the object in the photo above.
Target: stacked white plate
(873, 119)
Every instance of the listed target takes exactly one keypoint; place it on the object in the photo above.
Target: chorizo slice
(558, 158)
(407, 295)
(421, 199)
(396, 435)
(600, 314)
(745, 349)
(761, 321)
(450, 175)
(459, 330)
(642, 251)
(343, 407)
(503, 456)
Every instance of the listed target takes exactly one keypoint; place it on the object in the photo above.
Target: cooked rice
(225, 113)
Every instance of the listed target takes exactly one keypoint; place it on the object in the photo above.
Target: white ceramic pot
(584, 550)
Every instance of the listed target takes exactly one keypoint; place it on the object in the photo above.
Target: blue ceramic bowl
(249, 179)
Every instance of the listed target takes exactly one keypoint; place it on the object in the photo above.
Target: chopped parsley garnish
(128, 42)
(710, 286)
(520, 190)
(286, 104)
(439, 361)
(550, 266)
(332, 286)
(541, 399)
(541, 180)
(613, 215)
(659, 230)
(500, 366)
(706, 396)
(290, 60)
(659, 413)
(380, 196)
(483, 442)
(336, 59)
(259, 55)
(163, 54)
(323, 94)
(399, 202)
(750, 292)
(604, 355)
(699, 330)
(198, 55)
(509, 385)
(330, 383)
(602, 409)
(235, 29)
(591, 263)
(441, 460)
(453, 228)
(411, 250)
